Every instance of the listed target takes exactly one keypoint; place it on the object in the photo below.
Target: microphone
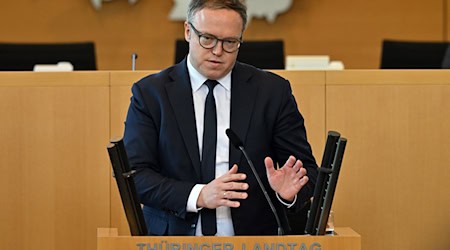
(237, 143)
(134, 56)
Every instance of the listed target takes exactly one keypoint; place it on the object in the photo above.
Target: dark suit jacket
(161, 142)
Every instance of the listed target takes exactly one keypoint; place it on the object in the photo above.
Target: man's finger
(234, 169)
(269, 166)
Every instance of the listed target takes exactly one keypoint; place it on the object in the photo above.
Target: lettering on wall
(167, 245)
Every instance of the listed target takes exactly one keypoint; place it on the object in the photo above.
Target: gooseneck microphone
(134, 57)
(237, 143)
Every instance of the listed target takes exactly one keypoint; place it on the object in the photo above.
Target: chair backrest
(412, 55)
(446, 59)
(23, 56)
(181, 50)
(261, 54)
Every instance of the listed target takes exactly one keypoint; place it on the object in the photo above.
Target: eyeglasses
(209, 41)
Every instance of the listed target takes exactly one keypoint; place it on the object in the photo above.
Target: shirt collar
(198, 79)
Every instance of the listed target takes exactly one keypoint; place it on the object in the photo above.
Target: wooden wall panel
(446, 29)
(53, 160)
(351, 30)
(348, 30)
(393, 187)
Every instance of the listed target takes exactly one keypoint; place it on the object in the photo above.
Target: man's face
(213, 63)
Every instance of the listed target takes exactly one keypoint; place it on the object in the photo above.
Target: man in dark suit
(188, 176)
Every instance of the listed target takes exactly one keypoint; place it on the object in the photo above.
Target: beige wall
(393, 188)
(56, 186)
(347, 30)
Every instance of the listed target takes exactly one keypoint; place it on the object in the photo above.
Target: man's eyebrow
(225, 38)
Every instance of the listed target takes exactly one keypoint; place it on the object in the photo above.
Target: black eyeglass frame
(215, 40)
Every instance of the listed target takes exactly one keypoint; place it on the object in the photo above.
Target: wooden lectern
(344, 239)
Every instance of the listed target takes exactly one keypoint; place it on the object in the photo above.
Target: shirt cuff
(193, 197)
(285, 203)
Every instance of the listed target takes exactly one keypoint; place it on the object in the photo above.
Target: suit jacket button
(192, 225)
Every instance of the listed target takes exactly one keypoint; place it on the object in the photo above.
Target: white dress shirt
(222, 95)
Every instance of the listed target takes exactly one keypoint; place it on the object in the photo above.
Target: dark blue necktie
(208, 164)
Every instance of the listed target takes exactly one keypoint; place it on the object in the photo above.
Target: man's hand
(288, 180)
(222, 190)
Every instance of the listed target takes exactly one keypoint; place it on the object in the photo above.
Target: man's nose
(218, 49)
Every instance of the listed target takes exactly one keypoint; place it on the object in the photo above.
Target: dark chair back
(446, 59)
(261, 54)
(23, 56)
(412, 55)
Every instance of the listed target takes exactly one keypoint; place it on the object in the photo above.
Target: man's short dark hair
(236, 5)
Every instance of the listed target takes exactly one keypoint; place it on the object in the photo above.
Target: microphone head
(234, 138)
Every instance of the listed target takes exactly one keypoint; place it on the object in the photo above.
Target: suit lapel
(243, 95)
(180, 96)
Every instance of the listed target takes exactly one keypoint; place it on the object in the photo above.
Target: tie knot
(211, 84)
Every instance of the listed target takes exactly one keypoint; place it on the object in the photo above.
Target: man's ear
(187, 31)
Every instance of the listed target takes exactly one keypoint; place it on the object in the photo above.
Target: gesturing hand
(288, 180)
(220, 190)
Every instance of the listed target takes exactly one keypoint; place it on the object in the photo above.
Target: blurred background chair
(446, 59)
(413, 55)
(261, 54)
(24, 56)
